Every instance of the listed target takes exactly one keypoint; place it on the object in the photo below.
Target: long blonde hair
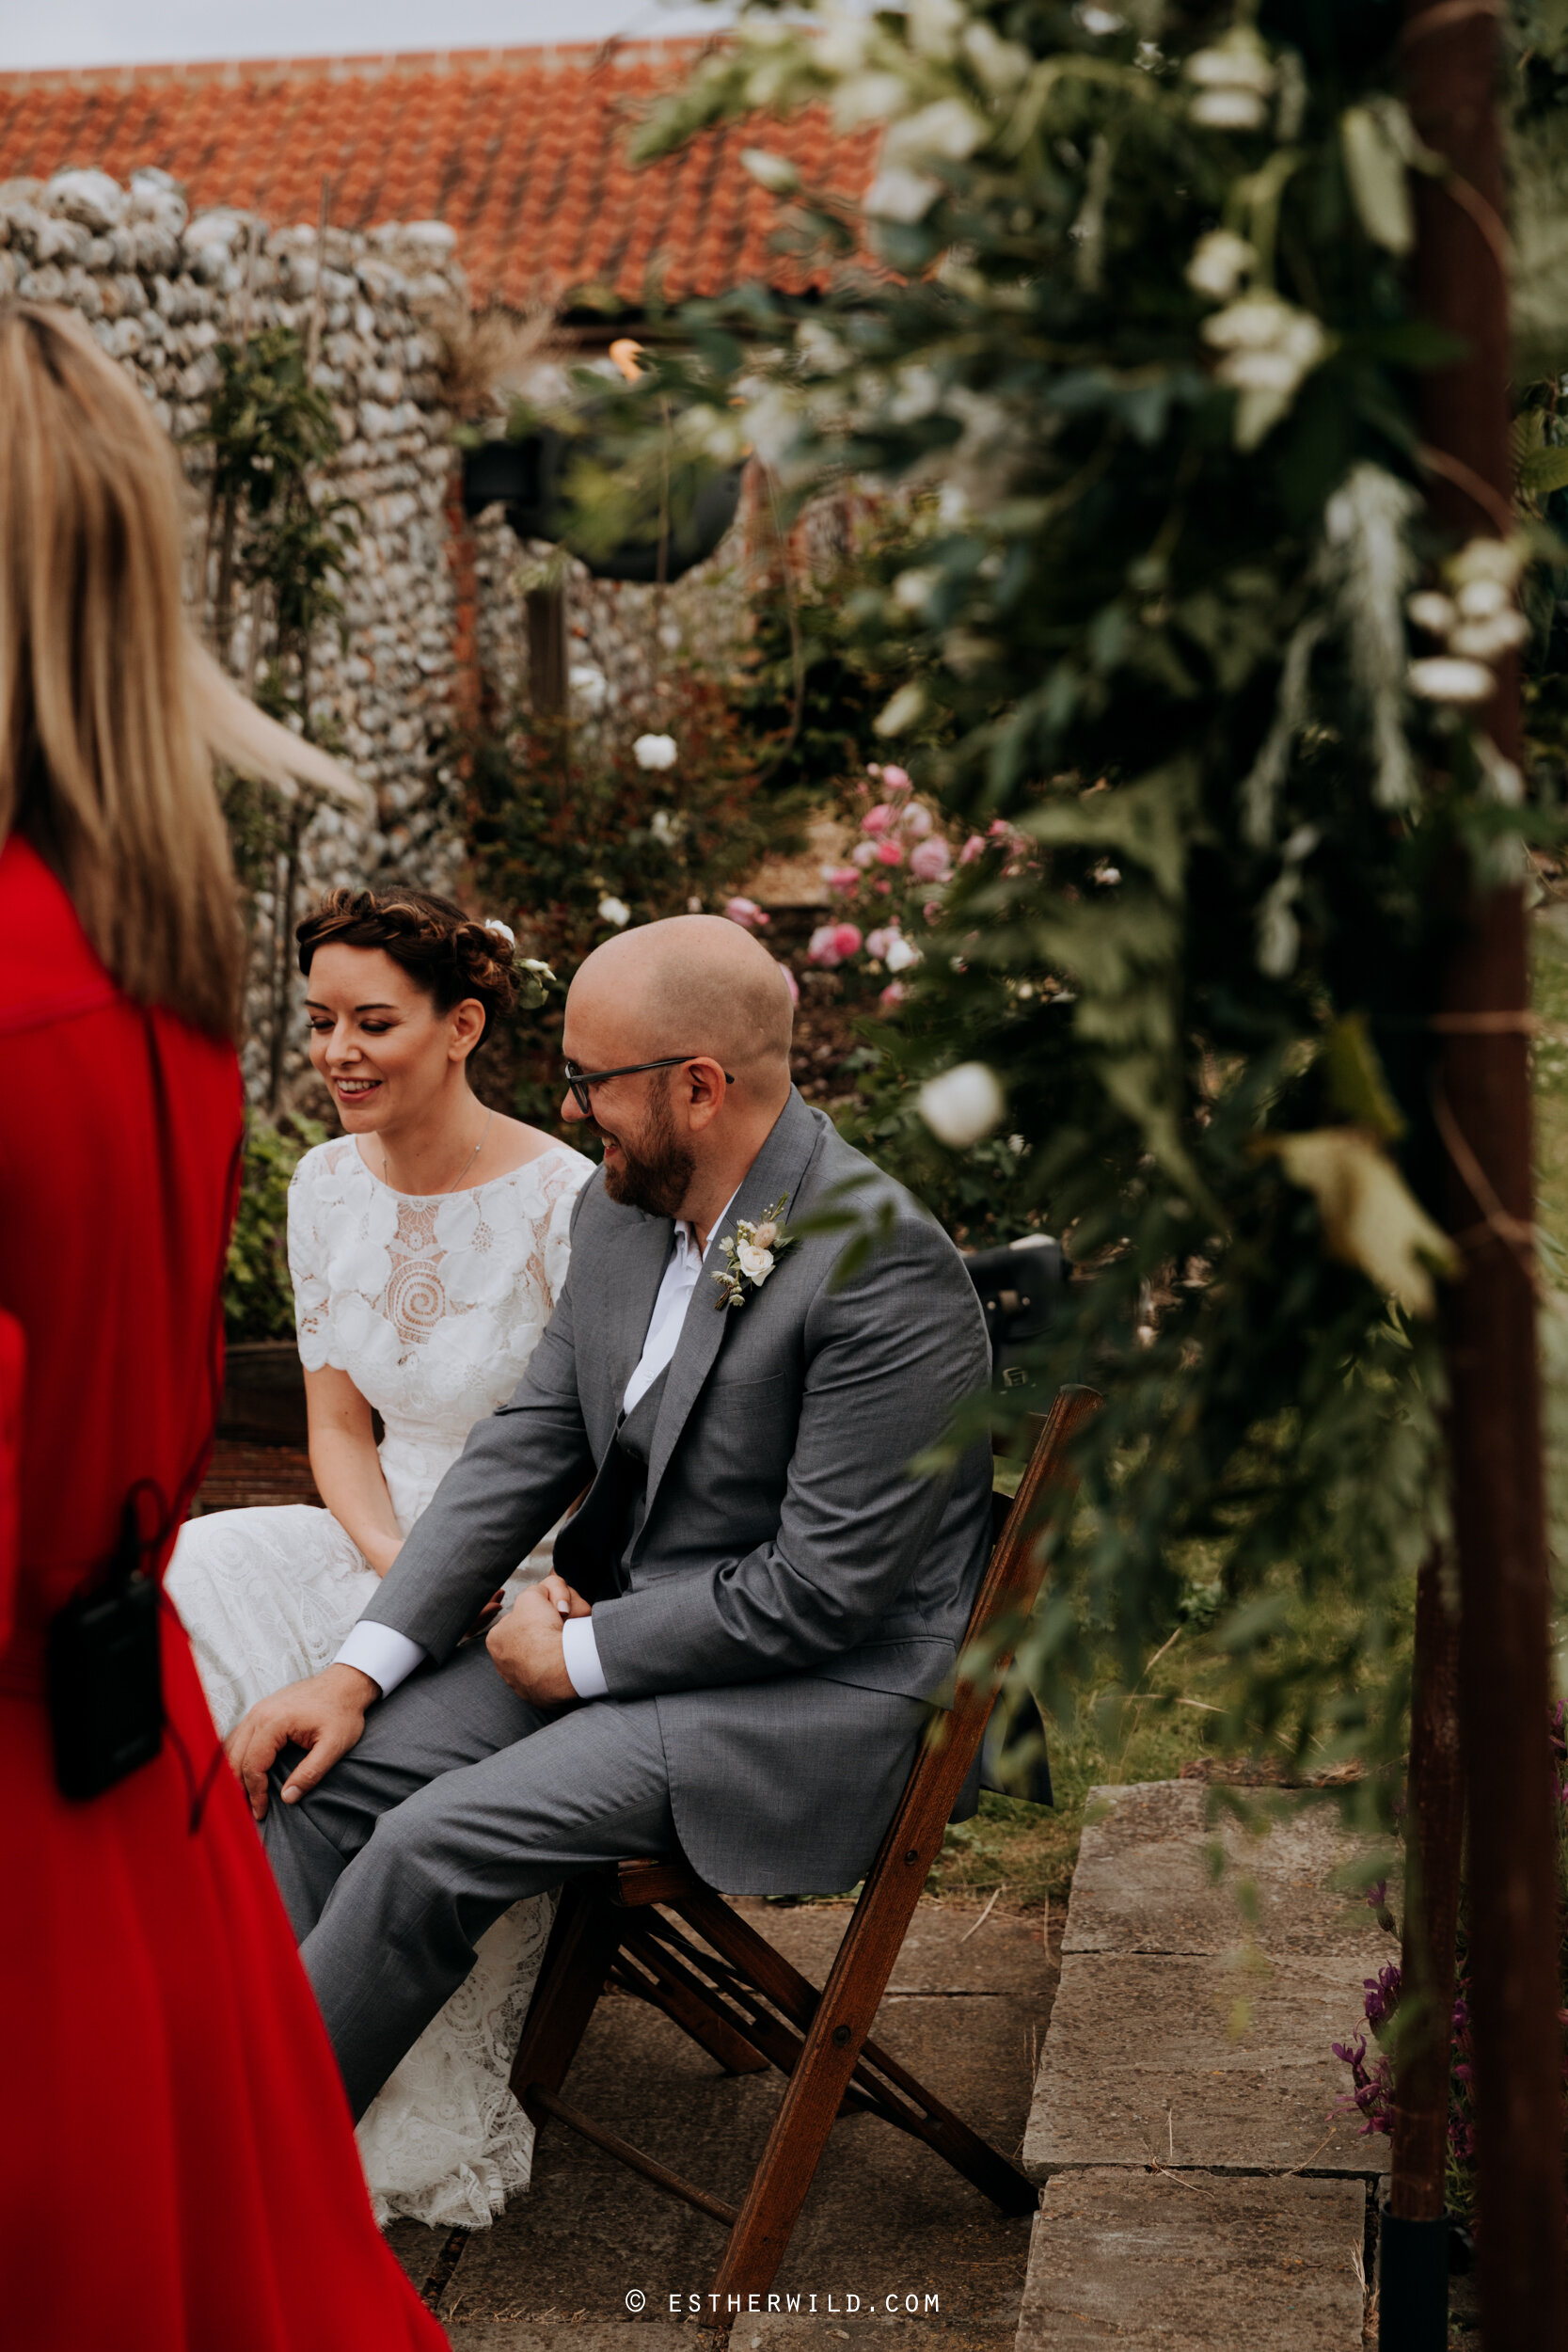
(109, 713)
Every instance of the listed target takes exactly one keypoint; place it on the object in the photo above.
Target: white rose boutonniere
(752, 1252)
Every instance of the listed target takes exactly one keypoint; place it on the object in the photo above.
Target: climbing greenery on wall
(275, 531)
(1128, 306)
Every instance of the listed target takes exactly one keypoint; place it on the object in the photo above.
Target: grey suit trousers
(461, 1798)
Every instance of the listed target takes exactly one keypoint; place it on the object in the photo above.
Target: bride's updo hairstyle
(444, 952)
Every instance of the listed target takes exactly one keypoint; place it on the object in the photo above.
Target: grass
(1114, 1737)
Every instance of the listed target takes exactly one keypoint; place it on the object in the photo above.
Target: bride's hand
(324, 1714)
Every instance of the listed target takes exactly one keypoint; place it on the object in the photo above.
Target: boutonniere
(751, 1253)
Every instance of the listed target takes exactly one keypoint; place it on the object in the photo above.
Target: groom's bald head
(695, 984)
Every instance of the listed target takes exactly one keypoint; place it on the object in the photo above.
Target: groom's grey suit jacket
(781, 1587)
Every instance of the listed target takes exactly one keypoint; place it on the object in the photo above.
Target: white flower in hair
(502, 930)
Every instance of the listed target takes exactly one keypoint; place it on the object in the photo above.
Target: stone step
(1158, 2059)
(1154, 1874)
(1191, 2263)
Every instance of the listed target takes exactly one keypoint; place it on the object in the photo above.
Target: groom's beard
(656, 1179)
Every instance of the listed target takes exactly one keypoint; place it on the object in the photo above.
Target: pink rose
(932, 909)
(972, 848)
(831, 942)
(930, 861)
(915, 823)
(895, 780)
(747, 912)
(890, 853)
(842, 878)
(864, 853)
(893, 994)
(884, 889)
(878, 943)
(877, 819)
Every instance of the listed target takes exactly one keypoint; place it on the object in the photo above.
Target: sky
(153, 32)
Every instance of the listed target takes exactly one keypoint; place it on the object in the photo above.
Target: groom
(758, 1599)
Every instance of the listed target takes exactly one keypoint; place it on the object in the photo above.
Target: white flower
(1240, 61)
(614, 911)
(1220, 262)
(898, 194)
(962, 1104)
(665, 827)
(1098, 22)
(1484, 641)
(502, 930)
(587, 682)
(1480, 599)
(1228, 110)
(1435, 613)
(1487, 559)
(1269, 345)
(933, 25)
(775, 173)
(949, 129)
(654, 751)
(1440, 678)
(902, 711)
(911, 589)
(1000, 64)
(754, 1262)
(901, 954)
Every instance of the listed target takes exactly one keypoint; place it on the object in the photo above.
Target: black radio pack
(104, 1672)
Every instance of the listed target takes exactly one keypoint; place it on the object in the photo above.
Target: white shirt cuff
(382, 1652)
(580, 1652)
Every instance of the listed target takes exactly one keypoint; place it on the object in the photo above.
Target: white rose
(1220, 261)
(901, 954)
(962, 1104)
(614, 911)
(1442, 679)
(755, 1262)
(654, 751)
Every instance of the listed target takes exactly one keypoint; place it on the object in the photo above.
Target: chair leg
(834, 2044)
(578, 1958)
(915, 2111)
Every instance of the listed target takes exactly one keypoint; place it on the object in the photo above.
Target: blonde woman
(427, 1246)
(161, 2033)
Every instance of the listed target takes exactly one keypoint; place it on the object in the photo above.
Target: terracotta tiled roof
(522, 151)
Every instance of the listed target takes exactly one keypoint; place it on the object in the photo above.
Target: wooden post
(1413, 2306)
(1452, 60)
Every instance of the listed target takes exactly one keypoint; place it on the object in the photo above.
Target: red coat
(177, 2171)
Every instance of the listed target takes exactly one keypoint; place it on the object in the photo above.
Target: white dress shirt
(390, 1656)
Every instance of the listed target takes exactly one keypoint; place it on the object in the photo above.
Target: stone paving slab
(884, 2214)
(1194, 2263)
(1148, 2061)
(1143, 1881)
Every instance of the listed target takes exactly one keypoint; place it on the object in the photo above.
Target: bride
(427, 1246)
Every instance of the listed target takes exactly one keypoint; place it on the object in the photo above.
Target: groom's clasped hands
(326, 1714)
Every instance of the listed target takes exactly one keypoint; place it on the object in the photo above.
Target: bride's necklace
(449, 1187)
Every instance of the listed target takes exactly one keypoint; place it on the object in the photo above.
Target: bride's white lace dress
(431, 1307)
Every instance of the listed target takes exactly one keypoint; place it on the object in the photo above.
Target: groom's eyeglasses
(582, 1082)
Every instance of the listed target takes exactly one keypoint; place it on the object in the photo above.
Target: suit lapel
(778, 1167)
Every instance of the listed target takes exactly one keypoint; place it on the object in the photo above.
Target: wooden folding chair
(744, 2004)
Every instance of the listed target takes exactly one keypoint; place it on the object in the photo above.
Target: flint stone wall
(160, 290)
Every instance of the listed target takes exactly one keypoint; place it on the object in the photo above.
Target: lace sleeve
(307, 1267)
(557, 1232)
